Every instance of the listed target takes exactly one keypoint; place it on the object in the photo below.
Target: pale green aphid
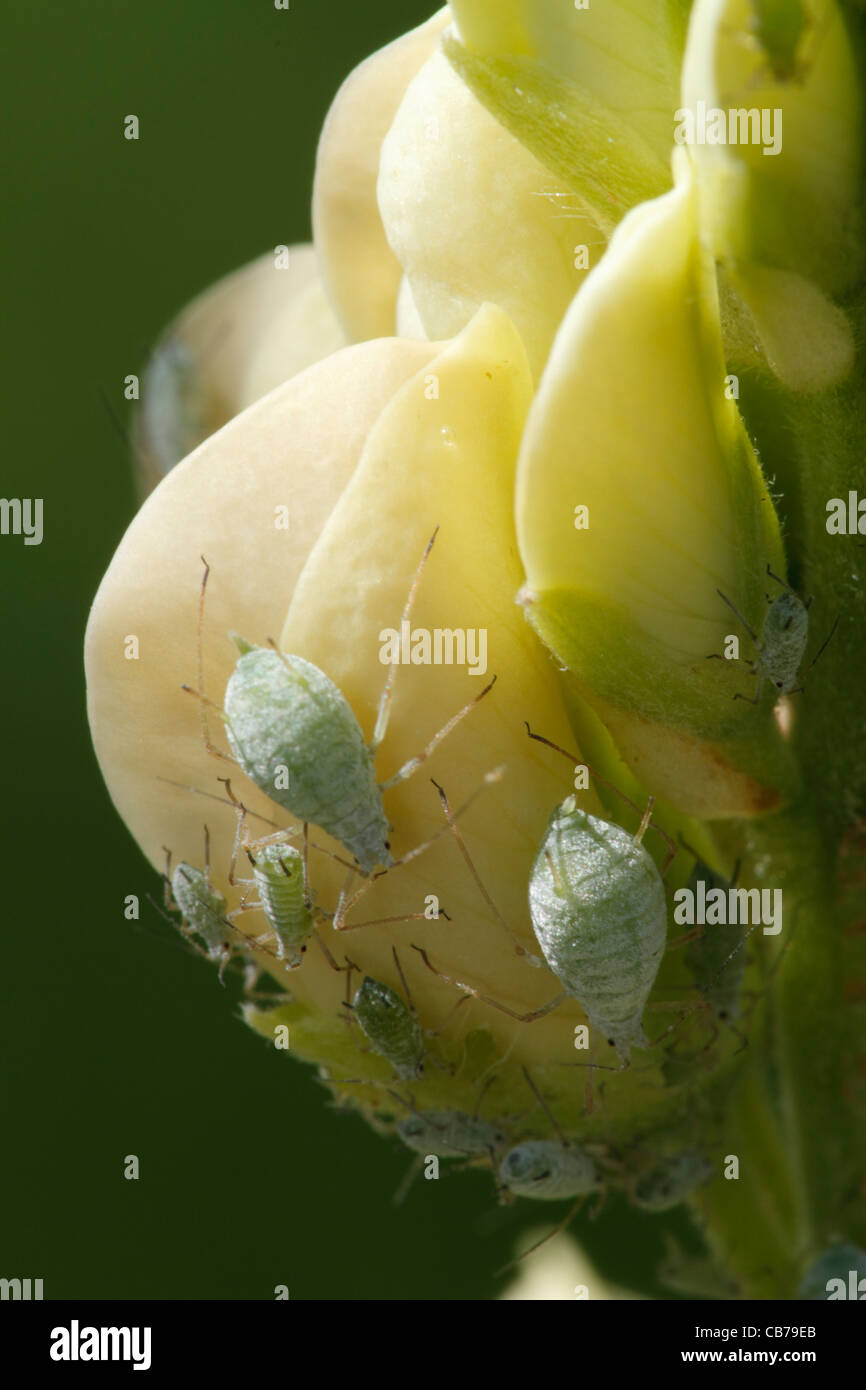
(449, 1134)
(203, 909)
(391, 1027)
(779, 651)
(283, 712)
(548, 1171)
(278, 874)
(670, 1181)
(598, 909)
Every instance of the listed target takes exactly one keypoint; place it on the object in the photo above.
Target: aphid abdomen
(669, 1182)
(783, 640)
(548, 1171)
(449, 1134)
(203, 908)
(278, 872)
(283, 715)
(598, 909)
(390, 1026)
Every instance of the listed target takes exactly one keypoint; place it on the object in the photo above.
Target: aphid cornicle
(391, 1027)
(671, 1181)
(598, 909)
(449, 1134)
(548, 1171)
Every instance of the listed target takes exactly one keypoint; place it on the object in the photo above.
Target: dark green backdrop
(113, 1042)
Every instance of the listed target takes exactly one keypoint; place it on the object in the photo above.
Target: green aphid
(671, 1181)
(548, 1171)
(598, 909)
(295, 736)
(391, 1027)
(449, 1134)
(203, 909)
(278, 873)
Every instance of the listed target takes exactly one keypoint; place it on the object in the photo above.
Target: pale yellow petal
(296, 448)
(474, 217)
(235, 342)
(360, 271)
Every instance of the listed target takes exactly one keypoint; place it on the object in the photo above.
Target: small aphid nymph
(203, 909)
(449, 1134)
(671, 1181)
(782, 645)
(278, 873)
(391, 1027)
(548, 1171)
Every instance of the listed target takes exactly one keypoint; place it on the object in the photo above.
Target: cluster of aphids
(596, 901)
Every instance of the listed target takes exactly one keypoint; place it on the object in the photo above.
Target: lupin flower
(519, 332)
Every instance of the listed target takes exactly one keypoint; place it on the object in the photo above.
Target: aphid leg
(344, 906)
(461, 844)
(646, 820)
(545, 1107)
(410, 767)
(204, 702)
(384, 711)
(503, 1008)
(752, 699)
(734, 609)
(820, 651)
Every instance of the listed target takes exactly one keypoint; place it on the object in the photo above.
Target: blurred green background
(113, 1042)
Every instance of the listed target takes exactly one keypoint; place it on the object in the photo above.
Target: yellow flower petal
(361, 273)
(235, 342)
(473, 216)
(219, 502)
(780, 176)
(631, 422)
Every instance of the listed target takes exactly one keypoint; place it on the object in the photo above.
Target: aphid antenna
(820, 652)
(485, 999)
(204, 702)
(383, 713)
(646, 816)
(734, 609)
(461, 844)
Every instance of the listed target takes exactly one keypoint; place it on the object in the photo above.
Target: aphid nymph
(671, 1181)
(449, 1134)
(548, 1171)
(390, 1025)
(780, 649)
